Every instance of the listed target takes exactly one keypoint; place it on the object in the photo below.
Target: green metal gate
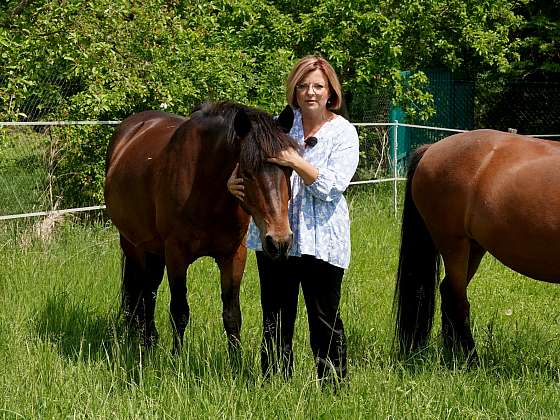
(454, 105)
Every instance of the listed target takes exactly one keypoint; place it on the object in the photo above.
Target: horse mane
(265, 139)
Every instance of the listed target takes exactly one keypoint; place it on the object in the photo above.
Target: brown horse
(470, 193)
(166, 193)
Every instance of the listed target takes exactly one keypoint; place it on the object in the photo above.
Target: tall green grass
(62, 353)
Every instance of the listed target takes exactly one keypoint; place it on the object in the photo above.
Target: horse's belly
(131, 211)
(544, 267)
(138, 232)
(524, 246)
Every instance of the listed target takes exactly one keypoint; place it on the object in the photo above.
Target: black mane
(264, 140)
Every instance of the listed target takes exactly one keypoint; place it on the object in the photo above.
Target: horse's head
(267, 185)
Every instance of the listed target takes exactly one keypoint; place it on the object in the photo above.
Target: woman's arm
(335, 176)
(329, 181)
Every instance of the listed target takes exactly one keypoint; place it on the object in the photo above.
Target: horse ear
(286, 119)
(241, 124)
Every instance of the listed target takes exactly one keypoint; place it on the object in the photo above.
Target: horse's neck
(217, 157)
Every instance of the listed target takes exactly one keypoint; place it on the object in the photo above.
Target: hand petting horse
(166, 193)
(473, 192)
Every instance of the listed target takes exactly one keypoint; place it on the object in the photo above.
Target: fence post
(395, 171)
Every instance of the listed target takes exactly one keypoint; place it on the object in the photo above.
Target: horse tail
(131, 286)
(123, 289)
(127, 307)
(417, 275)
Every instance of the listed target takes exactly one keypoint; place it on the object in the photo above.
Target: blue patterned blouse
(318, 212)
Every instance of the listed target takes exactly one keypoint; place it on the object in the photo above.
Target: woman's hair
(306, 65)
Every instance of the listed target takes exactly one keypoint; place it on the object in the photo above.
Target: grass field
(62, 354)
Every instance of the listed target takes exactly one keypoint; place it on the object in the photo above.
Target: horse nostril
(278, 249)
(271, 246)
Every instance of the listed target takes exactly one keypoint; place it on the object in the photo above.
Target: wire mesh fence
(53, 165)
(24, 173)
(529, 108)
(45, 168)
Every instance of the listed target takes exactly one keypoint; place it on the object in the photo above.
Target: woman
(319, 220)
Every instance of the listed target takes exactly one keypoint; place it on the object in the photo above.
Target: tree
(539, 41)
(106, 59)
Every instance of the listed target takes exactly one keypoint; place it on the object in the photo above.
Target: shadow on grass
(80, 334)
(77, 331)
(526, 347)
(205, 356)
(509, 358)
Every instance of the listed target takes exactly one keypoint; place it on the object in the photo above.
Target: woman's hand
(292, 159)
(235, 184)
(288, 157)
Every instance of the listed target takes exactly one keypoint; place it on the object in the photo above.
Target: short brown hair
(304, 66)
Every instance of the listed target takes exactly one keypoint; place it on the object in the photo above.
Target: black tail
(141, 276)
(131, 288)
(417, 276)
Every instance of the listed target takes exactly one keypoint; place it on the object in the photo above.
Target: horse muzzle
(277, 247)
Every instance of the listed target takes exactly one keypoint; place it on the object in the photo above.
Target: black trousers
(320, 283)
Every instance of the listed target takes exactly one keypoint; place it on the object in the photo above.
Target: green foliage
(23, 177)
(106, 59)
(470, 37)
(539, 38)
(79, 170)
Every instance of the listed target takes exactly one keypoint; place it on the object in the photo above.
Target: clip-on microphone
(310, 141)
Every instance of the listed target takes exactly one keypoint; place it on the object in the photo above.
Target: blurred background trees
(105, 59)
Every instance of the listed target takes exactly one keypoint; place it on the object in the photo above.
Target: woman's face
(312, 92)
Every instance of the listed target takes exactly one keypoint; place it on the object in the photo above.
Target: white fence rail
(389, 151)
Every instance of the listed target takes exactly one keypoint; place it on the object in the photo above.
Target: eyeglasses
(316, 87)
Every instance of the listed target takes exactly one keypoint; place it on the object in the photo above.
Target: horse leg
(177, 263)
(231, 272)
(132, 285)
(475, 257)
(141, 277)
(453, 289)
(154, 268)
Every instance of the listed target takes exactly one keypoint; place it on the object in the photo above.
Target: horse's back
(134, 149)
(141, 127)
(499, 189)
(486, 162)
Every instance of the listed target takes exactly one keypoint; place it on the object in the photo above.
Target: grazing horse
(166, 192)
(473, 192)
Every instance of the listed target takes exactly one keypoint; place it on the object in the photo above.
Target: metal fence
(35, 182)
(32, 185)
